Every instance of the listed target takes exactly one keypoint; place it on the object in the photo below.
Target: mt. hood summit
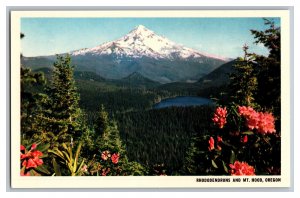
(144, 42)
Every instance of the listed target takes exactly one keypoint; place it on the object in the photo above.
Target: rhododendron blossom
(245, 139)
(105, 171)
(245, 111)
(31, 159)
(22, 148)
(219, 139)
(84, 168)
(262, 122)
(266, 124)
(241, 168)
(211, 143)
(33, 146)
(115, 158)
(220, 117)
(105, 155)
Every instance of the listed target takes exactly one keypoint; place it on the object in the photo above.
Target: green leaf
(234, 110)
(232, 157)
(227, 144)
(32, 172)
(57, 153)
(266, 139)
(214, 164)
(43, 147)
(76, 157)
(56, 167)
(80, 166)
(225, 167)
(67, 157)
(42, 169)
(247, 133)
(44, 155)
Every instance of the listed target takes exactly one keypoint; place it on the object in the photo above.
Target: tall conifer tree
(63, 114)
(243, 81)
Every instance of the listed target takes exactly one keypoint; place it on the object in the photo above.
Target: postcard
(150, 98)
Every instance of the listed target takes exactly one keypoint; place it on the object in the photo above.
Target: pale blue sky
(219, 36)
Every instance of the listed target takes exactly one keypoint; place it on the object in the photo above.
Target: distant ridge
(137, 79)
(219, 76)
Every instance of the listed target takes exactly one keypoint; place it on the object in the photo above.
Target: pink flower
(241, 168)
(38, 161)
(31, 164)
(220, 117)
(24, 163)
(245, 111)
(115, 158)
(211, 143)
(31, 158)
(266, 123)
(22, 148)
(84, 168)
(252, 120)
(23, 156)
(245, 139)
(33, 146)
(36, 154)
(105, 155)
(105, 171)
(219, 139)
(262, 122)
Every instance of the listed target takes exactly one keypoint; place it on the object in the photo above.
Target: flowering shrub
(243, 136)
(105, 164)
(31, 161)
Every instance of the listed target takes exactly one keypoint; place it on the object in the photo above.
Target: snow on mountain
(142, 42)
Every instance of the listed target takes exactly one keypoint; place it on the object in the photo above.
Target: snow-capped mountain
(141, 50)
(142, 42)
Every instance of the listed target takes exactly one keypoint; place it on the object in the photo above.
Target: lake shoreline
(183, 101)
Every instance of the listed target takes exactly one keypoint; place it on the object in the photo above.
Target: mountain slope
(136, 80)
(219, 76)
(141, 50)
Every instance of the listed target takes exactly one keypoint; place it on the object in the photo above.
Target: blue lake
(183, 101)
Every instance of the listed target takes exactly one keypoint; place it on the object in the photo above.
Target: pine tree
(268, 70)
(64, 115)
(102, 121)
(108, 136)
(243, 81)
